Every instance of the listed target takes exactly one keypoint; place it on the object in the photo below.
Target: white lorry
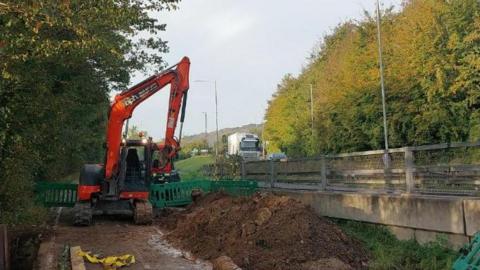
(245, 145)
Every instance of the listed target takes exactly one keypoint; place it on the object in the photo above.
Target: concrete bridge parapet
(421, 217)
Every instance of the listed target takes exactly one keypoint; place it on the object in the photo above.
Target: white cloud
(225, 27)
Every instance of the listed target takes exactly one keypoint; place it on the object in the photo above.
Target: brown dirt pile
(263, 232)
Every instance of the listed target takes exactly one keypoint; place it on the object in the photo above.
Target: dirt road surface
(114, 236)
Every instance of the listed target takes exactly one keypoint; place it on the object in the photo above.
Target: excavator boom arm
(125, 103)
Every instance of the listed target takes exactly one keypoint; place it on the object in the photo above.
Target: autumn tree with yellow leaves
(432, 60)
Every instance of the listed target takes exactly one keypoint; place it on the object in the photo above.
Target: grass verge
(388, 252)
(192, 168)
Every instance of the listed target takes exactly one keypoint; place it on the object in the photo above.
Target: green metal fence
(56, 194)
(180, 193)
(176, 194)
(235, 188)
(161, 195)
(470, 256)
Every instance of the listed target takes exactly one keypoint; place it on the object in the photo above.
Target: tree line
(59, 62)
(432, 74)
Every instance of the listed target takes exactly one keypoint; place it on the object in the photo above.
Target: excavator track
(83, 214)
(143, 213)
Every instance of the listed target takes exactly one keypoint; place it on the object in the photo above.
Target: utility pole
(386, 157)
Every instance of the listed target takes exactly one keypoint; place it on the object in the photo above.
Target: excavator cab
(137, 165)
(127, 194)
(134, 168)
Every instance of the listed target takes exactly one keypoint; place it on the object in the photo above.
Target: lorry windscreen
(249, 146)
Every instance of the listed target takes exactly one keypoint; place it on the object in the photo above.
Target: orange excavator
(120, 186)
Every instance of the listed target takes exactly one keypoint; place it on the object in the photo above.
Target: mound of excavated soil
(263, 232)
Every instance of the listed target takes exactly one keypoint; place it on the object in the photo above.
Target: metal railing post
(243, 172)
(409, 169)
(323, 173)
(272, 173)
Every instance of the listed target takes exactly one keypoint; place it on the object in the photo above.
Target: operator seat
(133, 165)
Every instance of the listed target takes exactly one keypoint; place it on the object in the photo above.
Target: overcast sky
(247, 46)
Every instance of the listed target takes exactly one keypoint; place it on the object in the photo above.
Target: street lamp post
(216, 111)
(216, 121)
(382, 80)
(386, 155)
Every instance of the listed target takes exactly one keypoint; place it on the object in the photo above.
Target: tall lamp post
(216, 120)
(382, 79)
(382, 84)
(216, 111)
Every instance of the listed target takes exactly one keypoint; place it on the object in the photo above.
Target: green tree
(186, 150)
(134, 133)
(59, 60)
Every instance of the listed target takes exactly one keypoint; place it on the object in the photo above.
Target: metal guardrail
(449, 168)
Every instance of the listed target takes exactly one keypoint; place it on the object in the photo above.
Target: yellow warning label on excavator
(110, 262)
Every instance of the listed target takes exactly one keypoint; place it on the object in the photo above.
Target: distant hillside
(211, 136)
